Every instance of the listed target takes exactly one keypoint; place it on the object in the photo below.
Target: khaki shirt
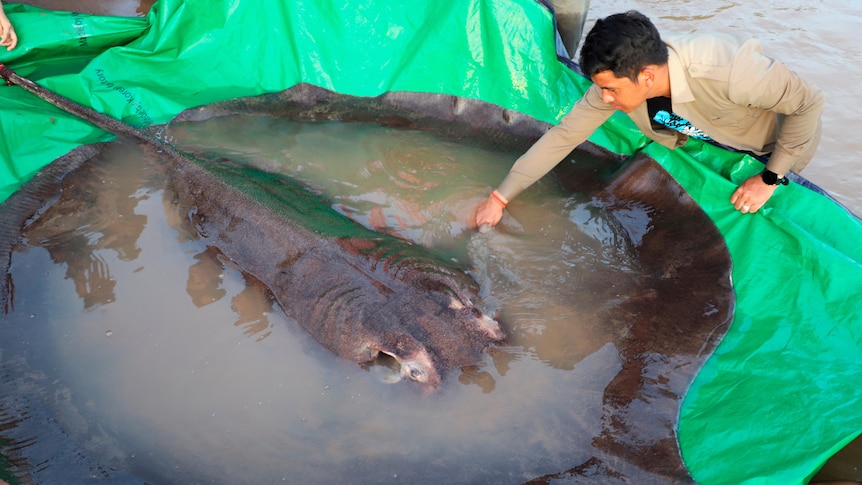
(724, 86)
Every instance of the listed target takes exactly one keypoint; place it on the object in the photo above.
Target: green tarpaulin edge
(777, 397)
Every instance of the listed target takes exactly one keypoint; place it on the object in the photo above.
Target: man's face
(621, 92)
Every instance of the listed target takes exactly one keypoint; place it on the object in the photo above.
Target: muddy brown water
(153, 358)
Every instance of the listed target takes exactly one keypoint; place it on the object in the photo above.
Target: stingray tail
(101, 120)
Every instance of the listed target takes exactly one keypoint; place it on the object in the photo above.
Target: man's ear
(647, 76)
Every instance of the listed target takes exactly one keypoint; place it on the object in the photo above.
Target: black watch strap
(771, 178)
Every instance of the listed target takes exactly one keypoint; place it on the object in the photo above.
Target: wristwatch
(771, 178)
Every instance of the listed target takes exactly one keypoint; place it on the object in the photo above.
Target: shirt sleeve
(759, 81)
(579, 123)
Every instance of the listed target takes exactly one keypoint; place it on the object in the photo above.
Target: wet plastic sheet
(51, 44)
(777, 397)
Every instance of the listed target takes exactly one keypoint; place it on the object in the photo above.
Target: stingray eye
(415, 374)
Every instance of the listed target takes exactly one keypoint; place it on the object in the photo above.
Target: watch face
(769, 177)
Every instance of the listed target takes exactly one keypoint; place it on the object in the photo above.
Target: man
(714, 87)
(8, 37)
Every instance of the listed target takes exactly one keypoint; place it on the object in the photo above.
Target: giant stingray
(677, 315)
(357, 292)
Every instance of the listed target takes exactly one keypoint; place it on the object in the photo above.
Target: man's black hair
(623, 43)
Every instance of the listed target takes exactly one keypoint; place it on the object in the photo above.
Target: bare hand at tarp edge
(752, 194)
(8, 37)
(490, 211)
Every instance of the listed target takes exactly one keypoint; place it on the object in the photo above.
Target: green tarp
(770, 406)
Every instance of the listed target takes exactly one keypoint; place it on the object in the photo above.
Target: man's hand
(8, 37)
(489, 212)
(752, 195)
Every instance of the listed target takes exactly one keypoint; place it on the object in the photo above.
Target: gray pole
(571, 16)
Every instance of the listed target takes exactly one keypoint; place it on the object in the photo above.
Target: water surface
(155, 358)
